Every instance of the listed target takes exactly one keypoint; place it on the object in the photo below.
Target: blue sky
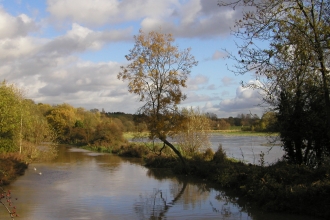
(70, 51)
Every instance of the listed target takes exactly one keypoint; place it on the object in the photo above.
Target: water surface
(81, 184)
(249, 148)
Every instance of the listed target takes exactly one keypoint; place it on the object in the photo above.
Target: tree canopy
(156, 72)
(286, 44)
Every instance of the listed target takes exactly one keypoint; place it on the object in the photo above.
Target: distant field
(130, 135)
(233, 132)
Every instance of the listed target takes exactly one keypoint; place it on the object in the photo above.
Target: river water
(81, 184)
(249, 148)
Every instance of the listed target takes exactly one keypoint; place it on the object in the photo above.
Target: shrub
(208, 154)
(220, 155)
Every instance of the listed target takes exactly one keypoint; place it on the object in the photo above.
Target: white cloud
(11, 27)
(226, 81)
(194, 83)
(80, 38)
(17, 47)
(88, 11)
(195, 19)
(49, 65)
(190, 11)
(245, 98)
(245, 101)
(212, 87)
(218, 55)
(101, 12)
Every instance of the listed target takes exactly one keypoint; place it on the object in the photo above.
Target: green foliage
(208, 154)
(220, 155)
(10, 115)
(7, 145)
(291, 70)
(280, 187)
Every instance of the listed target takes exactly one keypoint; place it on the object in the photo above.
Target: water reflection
(187, 198)
(155, 205)
(81, 184)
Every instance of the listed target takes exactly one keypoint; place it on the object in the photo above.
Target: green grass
(131, 135)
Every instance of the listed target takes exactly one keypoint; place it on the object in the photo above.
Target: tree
(10, 116)
(108, 133)
(23, 127)
(195, 135)
(156, 72)
(62, 118)
(286, 43)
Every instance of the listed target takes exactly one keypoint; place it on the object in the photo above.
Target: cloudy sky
(70, 51)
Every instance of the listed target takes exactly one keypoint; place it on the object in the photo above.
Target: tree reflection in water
(155, 205)
(192, 195)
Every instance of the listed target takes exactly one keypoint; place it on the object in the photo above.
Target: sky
(70, 51)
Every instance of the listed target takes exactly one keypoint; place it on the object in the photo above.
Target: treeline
(246, 122)
(26, 124)
(22, 125)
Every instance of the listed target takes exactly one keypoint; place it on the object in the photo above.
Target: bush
(11, 166)
(134, 150)
(208, 154)
(220, 155)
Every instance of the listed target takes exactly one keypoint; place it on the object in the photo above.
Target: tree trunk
(175, 151)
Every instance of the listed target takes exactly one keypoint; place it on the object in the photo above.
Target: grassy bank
(138, 150)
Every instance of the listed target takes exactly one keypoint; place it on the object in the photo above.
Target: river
(80, 184)
(249, 148)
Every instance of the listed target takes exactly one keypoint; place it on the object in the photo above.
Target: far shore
(231, 132)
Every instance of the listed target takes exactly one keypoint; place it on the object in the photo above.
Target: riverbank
(233, 132)
(11, 167)
(280, 187)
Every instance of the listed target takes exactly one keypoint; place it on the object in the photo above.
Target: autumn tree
(156, 72)
(285, 43)
(108, 133)
(62, 118)
(194, 137)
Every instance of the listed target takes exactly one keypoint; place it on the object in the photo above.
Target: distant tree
(62, 118)
(95, 110)
(108, 134)
(223, 125)
(268, 121)
(156, 72)
(211, 116)
(90, 121)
